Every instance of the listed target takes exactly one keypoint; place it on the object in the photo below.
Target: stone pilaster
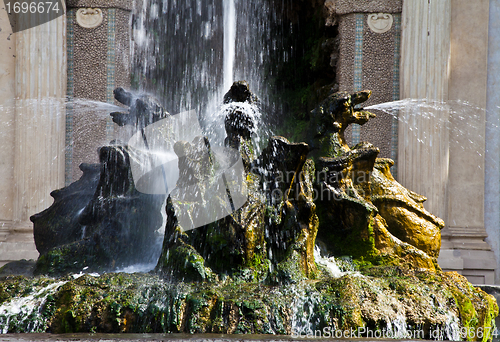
(466, 232)
(369, 52)
(492, 136)
(7, 120)
(423, 152)
(98, 62)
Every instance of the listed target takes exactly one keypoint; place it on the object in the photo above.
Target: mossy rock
(377, 298)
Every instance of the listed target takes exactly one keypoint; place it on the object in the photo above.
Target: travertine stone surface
(378, 62)
(425, 52)
(466, 186)
(90, 71)
(368, 6)
(7, 116)
(468, 79)
(345, 66)
(492, 136)
(40, 117)
(32, 113)
(122, 52)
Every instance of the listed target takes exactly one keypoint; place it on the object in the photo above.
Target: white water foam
(27, 309)
(328, 262)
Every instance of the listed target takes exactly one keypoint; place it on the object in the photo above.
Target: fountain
(263, 262)
(306, 239)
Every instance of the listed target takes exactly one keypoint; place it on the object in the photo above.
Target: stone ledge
(450, 260)
(479, 277)
(121, 4)
(10, 251)
(478, 266)
(368, 6)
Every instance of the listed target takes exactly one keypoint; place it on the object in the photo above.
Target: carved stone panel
(380, 22)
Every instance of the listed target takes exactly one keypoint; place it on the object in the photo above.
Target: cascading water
(29, 311)
(188, 53)
(328, 262)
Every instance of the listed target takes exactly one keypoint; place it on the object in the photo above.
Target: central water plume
(188, 53)
(229, 42)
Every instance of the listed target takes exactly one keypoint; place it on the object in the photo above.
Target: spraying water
(28, 310)
(434, 140)
(461, 120)
(191, 52)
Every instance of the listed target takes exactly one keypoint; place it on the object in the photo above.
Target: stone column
(492, 136)
(423, 133)
(369, 52)
(98, 62)
(7, 120)
(36, 130)
(444, 58)
(466, 187)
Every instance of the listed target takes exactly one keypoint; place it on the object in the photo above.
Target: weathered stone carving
(363, 211)
(380, 22)
(330, 119)
(101, 221)
(143, 110)
(274, 229)
(403, 210)
(89, 17)
(99, 226)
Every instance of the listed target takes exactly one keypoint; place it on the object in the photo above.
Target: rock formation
(241, 243)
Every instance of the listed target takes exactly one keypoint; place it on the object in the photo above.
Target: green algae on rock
(387, 298)
(254, 270)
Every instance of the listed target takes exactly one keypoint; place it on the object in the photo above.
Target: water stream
(28, 310)
(229, 43)
(463, 122)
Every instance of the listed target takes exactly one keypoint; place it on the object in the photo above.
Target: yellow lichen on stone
(404, 212)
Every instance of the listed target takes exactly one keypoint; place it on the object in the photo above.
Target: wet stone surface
(255, 270)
